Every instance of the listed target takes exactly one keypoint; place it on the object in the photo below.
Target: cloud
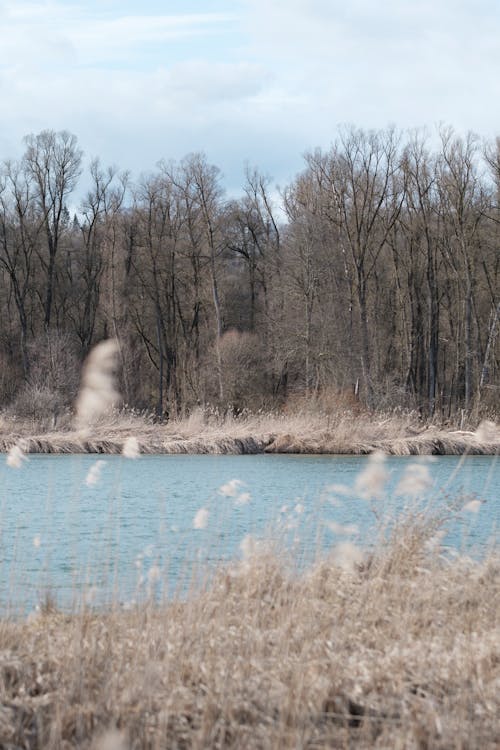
(399, 61)
(253, 81)
(114, 77)
(45, 33)
(117, 38)
(134, 118)
(197, 80)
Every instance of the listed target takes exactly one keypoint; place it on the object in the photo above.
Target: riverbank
(399, 649)
(199, 434)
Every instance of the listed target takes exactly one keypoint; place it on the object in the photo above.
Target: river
(149, 527)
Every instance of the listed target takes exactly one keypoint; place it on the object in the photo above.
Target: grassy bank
(343, 433)
(397, 650)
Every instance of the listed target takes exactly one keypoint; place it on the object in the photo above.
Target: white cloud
(215, 82)
(104, 40)
(404, 61)
(262, 84)
(49, 32)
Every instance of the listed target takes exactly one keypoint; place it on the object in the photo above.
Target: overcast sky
(246, 81)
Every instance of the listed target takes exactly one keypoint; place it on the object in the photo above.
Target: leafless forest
(372, 279)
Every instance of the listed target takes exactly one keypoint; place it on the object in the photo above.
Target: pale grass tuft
(342, 529)
(253, 549)
(487, 432)
(154, 574)
(370, 482)
(94, 473)
(473, 506)
(15, 457)
(200, 520)
(248, 546)
(131, 448)
(415, 481)
(243, 498)
(347, 556)
(231, 488)
(339, 489)
(256, 554)
(98, 393)
(434, 543)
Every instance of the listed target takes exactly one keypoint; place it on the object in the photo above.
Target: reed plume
(16, 456)
(98, 393)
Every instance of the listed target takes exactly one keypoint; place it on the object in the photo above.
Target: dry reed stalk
(399, 650)
(108, 430)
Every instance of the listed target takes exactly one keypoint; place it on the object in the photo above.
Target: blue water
(131, 534)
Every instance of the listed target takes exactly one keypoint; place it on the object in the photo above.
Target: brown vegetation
(378, 284)
(400, 649)
(204, 432)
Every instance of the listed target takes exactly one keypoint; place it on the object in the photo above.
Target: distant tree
(374, 283)
(19, 236)
(200, 183)
(420, 252)
(462, 204)
(101, 206)
(363, 197)
(53, 160)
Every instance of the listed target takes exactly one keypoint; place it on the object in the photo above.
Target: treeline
(375, 280)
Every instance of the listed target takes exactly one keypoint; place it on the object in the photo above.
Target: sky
(247, 82)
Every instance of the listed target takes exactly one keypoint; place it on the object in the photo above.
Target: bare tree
(462, 204)
(419, 223)
(102, 204)
(363, 199)
(19, 234)
(201, 185)
(53, 160)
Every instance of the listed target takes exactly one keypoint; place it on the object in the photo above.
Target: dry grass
(400, 651)
(202, 432)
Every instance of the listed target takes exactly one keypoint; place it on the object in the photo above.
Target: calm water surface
(131, 534)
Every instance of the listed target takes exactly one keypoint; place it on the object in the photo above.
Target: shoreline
(157, 441)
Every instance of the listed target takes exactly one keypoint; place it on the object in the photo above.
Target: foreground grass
(401, 650)
(313, 433)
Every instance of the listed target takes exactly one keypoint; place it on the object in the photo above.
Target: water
(131, 534)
